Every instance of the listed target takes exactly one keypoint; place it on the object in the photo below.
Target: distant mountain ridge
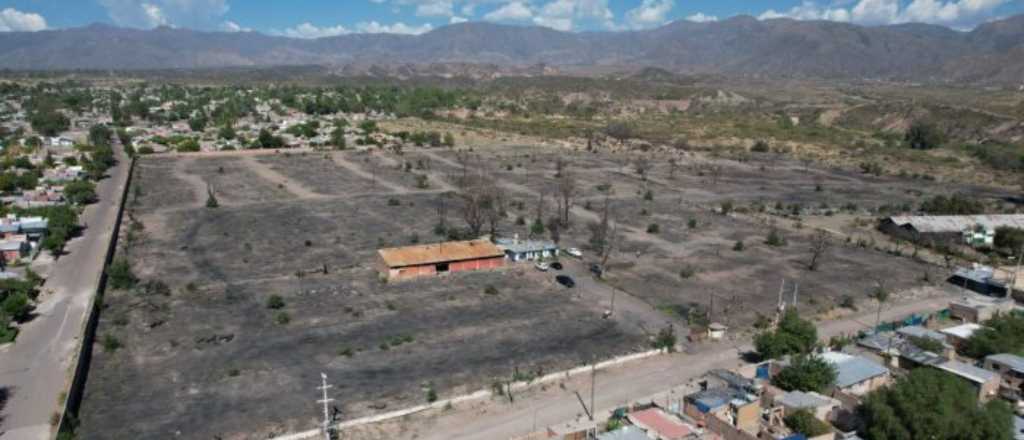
(737, 46)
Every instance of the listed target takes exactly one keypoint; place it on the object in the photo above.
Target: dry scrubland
(202, 354)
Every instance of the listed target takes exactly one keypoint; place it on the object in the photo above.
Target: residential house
(984, 381)
(438, 258)
(1011, 368)
(628, 432)
(659, 425)
(819, 405)
(856, 375)
(958, 335)
(14, 249)
(966, 229)
(978, 308)
(527, 250)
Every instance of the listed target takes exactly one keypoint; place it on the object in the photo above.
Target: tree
(1009, 239)
(806, 373)
(211, 198)
(100, 135)
(932, 404)
(794, 335)
(923, 136)
(80, 192)
(566, 188)
(1001, 334)
(956, 204)
(449, 140)
(619, 131)
(666, 339)
(17, 307)
(338, 138)
(268, 141)
(803, 421)
(604, 235)
(821, 241)
(226, 132)
(775, 238)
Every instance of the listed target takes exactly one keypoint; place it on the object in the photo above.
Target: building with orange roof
(402, 263)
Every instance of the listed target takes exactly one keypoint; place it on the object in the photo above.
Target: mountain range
(991, 53)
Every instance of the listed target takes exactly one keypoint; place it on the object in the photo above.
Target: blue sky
(319, 18)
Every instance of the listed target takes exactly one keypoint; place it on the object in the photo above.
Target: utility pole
(1020, 256)
(593, 376)
(614, 291)
(327, 418)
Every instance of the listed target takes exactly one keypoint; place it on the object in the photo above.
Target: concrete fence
(478, 395)
(69, 412)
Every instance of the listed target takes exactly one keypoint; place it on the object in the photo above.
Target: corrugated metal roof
(656, 420)
(962, 331)
(1016, 363)
(957, 223)
(921, 332)
(852, 370)
(800, 399)
(521, 246)
(439, 253)
(624, 433)
(968, 371)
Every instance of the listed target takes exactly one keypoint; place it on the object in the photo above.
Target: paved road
(37, 367)
(641, 381)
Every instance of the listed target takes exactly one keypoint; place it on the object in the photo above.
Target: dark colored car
(557, 266)
(565, 281)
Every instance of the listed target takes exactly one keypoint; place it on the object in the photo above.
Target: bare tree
(442, 212)
(715, 171)
(642, 165)
(673, 167)
(604, 235)
(821, 241)
(495, 205)
(567, 188)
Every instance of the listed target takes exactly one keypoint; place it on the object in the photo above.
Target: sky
(323, 18)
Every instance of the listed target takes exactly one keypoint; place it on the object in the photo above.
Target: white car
(574, 252)
(543, 267)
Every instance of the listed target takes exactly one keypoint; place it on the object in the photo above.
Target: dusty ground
(206, 357)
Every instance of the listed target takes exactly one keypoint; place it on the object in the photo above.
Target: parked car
(543, 267)
(596, 270)
(556, 266)
(566, 281)
(574, 252)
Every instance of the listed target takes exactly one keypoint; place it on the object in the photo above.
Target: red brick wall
(406, 273)
(483, 264)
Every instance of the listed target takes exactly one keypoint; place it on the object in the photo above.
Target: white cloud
(960, 13)
(309, 30)
(230, 26)
(440, 8)
(700, 17)
(374, 27)
(456, 20)
(650, 13)
(13, 20)
(514, 11)
(564, 14)
(150, 13)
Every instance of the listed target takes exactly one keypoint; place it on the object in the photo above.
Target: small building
(819, 405)
(980, 279)
(716, 331)
(527, 250)
(625, 433)
(1011, 368)
(984, 381)
(14, 250)
(439, 258)
(948, 228)
(855, 375)
(659, 425)
(958, 335)
(977, 309)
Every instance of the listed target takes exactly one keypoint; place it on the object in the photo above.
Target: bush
(687, 272)
(653, 228)
(803, 422)
(794, 336)
(775, 239)
(282, 318)
(431, 395)
(923, 136)
(691, 223)
(394, 202)
(956, 204)
(491, 290)
(110, 343)
(120, 276)
(738, 247)
(806, 373)
(80, 192)
(665, 340)
(761, 146)
(275, 302)
(649, 195)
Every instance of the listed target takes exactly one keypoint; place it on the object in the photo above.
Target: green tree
(956, 204)
(932, 404)
(806, 373)
(226, 132)
(338, 138)
(100, 135)
(1009, 239)
(268, 140)
(80, 192)
(449, 140)
(803, 421)
(793, 336)
(1001, 334)
(17, 306)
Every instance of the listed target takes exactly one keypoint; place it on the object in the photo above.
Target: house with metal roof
(439, 258)
(984, 381)
(856, 375)
(959, 334)
(1010, 368)
(968, 229)
(527, 250)
(660, 425)
(625, 433)
(819, 405)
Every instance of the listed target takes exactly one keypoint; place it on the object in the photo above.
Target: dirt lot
(205, 356)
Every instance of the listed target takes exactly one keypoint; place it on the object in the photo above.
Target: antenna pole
(327, 418)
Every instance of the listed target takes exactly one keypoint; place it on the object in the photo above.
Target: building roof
(1016, 363)
(962, 331)
(656, 420)
(800, 400)
(439, 253)
(624, 433)
(852, 370)
(921, 332)
(1018, 428)
(9, 245)
(968, 371)
(713, 398)
(957, 223)
(520, 246)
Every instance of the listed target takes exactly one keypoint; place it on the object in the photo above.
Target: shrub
(110, 343)
(119, 274)
(275, 302)
(491, 290)
(803, 422)
(394, 202)
(653, 228)
(282, 318)
(738, 247)
(431, 395)
(649, 195)
(691, 223)
(775, 239)
(665, 340)
(687, 272)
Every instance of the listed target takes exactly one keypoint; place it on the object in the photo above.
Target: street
(36, 369)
